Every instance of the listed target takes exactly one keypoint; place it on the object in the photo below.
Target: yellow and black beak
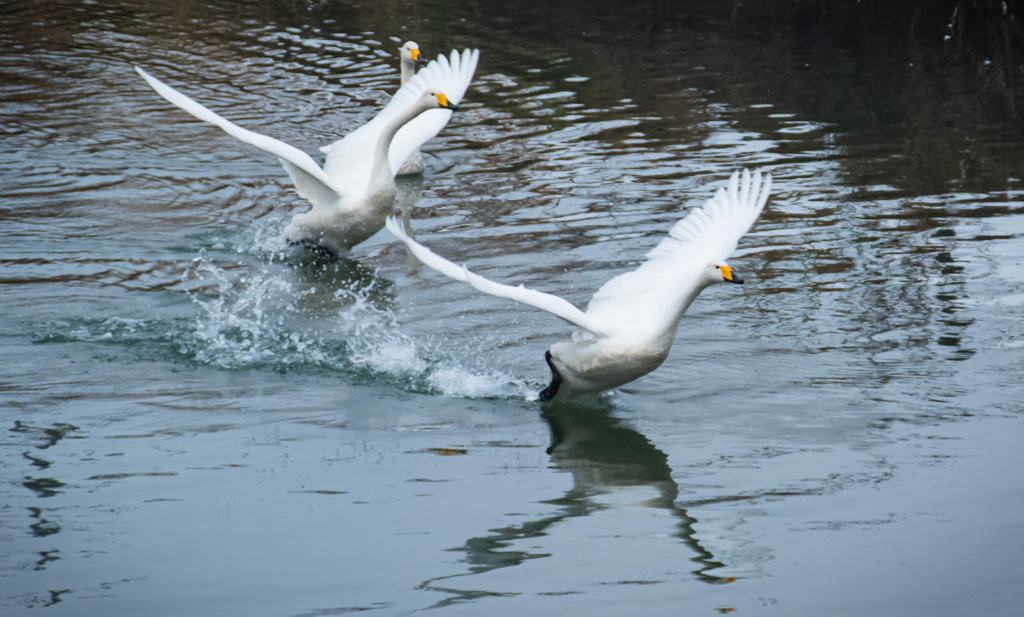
(728, 275)
(417, 59)
(442, 100)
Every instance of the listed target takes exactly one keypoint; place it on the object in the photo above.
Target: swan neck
(408, 70)
(665, 337)
(382, 171)
(687, 300)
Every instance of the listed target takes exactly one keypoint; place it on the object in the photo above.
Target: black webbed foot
(549, 392)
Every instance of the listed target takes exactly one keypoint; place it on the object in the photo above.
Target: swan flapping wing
(707, 234)
(348, 157)
(715, 229)
(546, 302)
(451, 76)
(311, 181)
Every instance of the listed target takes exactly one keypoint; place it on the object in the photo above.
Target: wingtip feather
(395, 227)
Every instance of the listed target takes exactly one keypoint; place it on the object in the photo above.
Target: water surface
(198, 420)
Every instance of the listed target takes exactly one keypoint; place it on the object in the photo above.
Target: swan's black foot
(549, 392)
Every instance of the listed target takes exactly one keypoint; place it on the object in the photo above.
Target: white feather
(311, 181)
(347, 159)
(546, 302)
(654, 291)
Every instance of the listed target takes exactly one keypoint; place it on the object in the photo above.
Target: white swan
(354, 191)
(410, 54)
(631, 321)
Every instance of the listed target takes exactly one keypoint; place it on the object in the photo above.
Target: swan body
(346, 221)
(354, 191)
(630, 324)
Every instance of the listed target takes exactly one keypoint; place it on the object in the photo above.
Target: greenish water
(198, 421)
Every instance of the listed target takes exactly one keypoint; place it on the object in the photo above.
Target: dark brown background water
(196, 423)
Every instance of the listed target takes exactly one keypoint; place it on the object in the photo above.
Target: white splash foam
(256, 318)
(245, 324)
(454, 380)
(376, 342)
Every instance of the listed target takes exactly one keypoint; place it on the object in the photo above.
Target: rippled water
(199, 420)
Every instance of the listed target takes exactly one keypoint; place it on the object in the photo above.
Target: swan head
(720, 272)
(435, 99)
(412, 59)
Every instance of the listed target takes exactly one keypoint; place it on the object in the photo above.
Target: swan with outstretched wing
(630, 324)
(354, 191)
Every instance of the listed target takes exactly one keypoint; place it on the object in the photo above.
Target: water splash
(296, 314)
(110, 329)
(376, 344)
(330, 314)
(245, 323)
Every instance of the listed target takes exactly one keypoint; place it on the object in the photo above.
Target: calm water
(198, 421)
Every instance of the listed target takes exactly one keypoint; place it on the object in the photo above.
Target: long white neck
(667, 336)
(687, 300)
(382, 172)
(408, 69)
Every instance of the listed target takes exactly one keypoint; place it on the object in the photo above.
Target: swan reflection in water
(605, 456)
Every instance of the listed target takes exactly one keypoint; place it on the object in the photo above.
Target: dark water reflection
(201, 421)
(603, 455)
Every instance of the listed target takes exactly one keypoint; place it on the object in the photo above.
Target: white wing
(707, 234)
(452, 77)
(546, 302)
(310, 181)
(715, 229)
(349, 159)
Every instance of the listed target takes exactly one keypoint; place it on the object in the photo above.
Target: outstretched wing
(716, 228)
(310, 181)
(707, 234)
(546, 302)
(448, 75)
